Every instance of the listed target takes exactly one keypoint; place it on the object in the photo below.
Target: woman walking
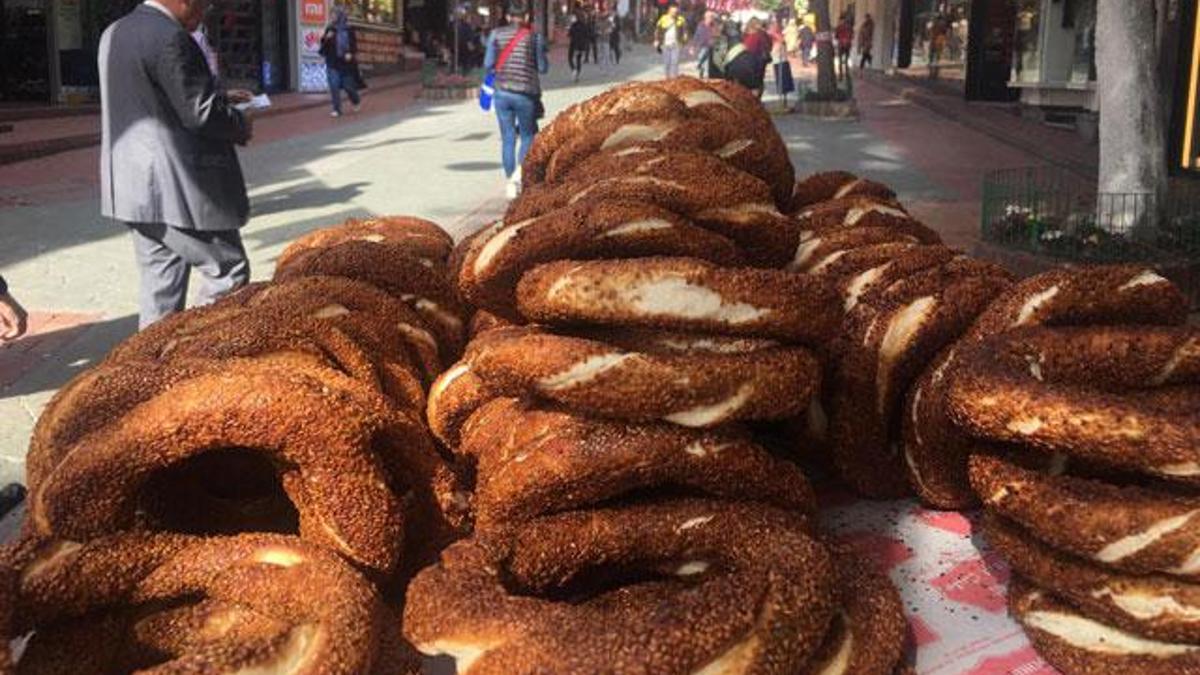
(517, 55)
(578, 43)
(339, 46)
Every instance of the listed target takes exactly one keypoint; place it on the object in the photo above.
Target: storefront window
(373, 11)
(940, 30)
(1027, 63)
(1083, 68)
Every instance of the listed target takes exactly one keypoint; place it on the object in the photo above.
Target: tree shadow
(292, 198)
(76, 348)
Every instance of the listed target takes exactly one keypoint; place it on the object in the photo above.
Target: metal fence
(1055, 213)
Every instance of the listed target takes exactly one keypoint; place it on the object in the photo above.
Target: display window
(940, 30)
(380, 12)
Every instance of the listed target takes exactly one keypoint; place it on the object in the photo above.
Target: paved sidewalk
(31, 138)
(435, 159)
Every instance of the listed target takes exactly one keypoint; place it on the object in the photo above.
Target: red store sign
(312, 12)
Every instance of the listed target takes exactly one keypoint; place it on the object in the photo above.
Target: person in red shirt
(844, 37)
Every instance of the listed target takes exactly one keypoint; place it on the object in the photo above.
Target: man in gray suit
(168, 167)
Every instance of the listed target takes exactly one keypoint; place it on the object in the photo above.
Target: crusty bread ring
(188, 604)
(826, 185)
(391, 268)
(452, 399)
(551, 461)
(889, 340)
(1074, 643)
(668, 342)
(936, 450)
(821, 250)
(1123, 395)
(381, 323)
(861, 211)
(1137, 530)
(753, 589)
(865, 274)
(588, 230)
(695, 390)
(421, 238)
(682, 294)
(868, 633)
(709, 192)
(1155, 606)
(324, 431)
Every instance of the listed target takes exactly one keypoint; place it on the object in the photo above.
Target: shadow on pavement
(294, 198)
(78, 348)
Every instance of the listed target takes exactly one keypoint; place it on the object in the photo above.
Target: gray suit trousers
(165, 256)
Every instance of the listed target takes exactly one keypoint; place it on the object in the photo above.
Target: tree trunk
(826, 78)
(1132, 115)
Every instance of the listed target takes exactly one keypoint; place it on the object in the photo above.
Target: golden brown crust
(550, 461)
(389, 267)
(592, 229)
(1153, 606)
(482, 321)
(862, 211)
(452, 399)
(820, 250)
(868, 633)
(1118, 653)
(697, 390)
(1093, 520)
(322, 434)
(1123, 395)
(721, 577)
(191, 604)
(936, 449)
(891, 335)
(684, 295)
(419, 237)
(826, 185)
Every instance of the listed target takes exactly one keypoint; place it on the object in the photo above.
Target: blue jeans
(339, 80)
(517, 114)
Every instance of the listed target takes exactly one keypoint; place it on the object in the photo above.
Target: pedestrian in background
(702, 44)
(12, 315)
(339, 46)
(168, 167)
(807, 39)
(670, 34)
(844, 39)
(614, 40)
(791, 36)
(866, 41)
(577, 44)
(593, 33)
(517, 55)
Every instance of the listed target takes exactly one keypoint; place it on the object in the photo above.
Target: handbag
(487, 88)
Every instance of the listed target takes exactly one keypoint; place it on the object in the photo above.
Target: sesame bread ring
(889, 342)
(588, 230)
(320, 429)
(1154, 606)
(821, 250)
(683, 294)
(693, 390)
(710, 193)
(551, 461)
(667, 342)
(827, 185)
(936, 450)
(389, 267)
(187, 604)
(483, 321)
(672, 587)
(421, 238)
(452, 399)
(381, 323)
(868, 632)
(1077, 645)
(1133, 529)
(1126, 396)
(850, 212)
(864, 274)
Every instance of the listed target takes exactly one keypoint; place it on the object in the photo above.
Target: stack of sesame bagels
(294, 407)
(633, 322)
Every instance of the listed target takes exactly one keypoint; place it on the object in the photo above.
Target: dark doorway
(990, 51)
(24, 51)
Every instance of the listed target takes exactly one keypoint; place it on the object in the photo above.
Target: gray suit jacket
(167, 153)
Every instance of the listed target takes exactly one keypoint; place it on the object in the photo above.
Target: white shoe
(335, 114)
(357, 107)
(512, 188)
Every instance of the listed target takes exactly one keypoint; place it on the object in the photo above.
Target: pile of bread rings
(633, 326)
(1067, 403)
(232, 488)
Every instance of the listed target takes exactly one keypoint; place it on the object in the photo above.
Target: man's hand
(239, 95)
(349, 57)
(12, 319)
